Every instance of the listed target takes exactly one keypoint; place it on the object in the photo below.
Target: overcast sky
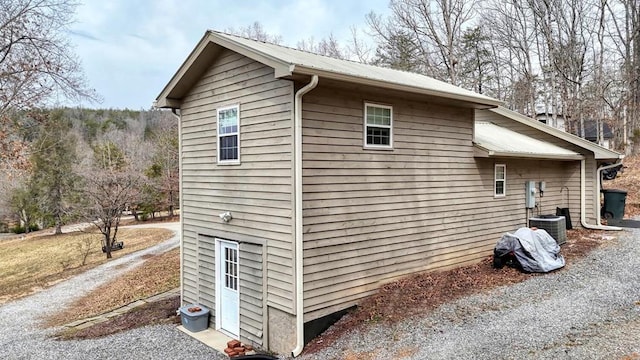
(129, 49)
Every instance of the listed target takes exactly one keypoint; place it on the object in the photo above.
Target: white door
(227, 288)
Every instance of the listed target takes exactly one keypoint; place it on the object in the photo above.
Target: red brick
(248, 347)
(233, 343)
(228, 351)
(238, 348)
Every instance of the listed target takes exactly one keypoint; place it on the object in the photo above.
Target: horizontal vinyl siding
(590, 164)
(257, 192)
(207, 274)
(371, 216)
(251, 293)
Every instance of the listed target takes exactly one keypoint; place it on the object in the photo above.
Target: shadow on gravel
(625, 223)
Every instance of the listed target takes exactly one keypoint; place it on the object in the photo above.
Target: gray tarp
(535, 250)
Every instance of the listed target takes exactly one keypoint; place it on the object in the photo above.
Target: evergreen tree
(476, 65)
(23, 204)
(399, 52)
(52, 159)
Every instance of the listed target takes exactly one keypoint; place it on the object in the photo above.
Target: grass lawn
(36, 262)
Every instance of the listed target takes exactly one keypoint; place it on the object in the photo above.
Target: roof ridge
(330, 57)
(286, 61)
(283, 46)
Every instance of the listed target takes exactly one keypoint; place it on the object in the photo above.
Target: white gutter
(178, 116)
(583, 205)
(297, 154)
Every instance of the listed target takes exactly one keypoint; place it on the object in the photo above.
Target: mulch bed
(153, 313)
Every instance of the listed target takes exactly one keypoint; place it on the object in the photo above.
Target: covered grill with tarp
(528, 249)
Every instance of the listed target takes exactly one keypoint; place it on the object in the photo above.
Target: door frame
(218, 281)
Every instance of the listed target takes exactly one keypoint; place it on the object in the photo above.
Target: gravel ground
(591, 310)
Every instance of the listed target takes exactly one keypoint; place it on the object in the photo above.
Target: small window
(229, 135)
(378, 121)
(500, 180)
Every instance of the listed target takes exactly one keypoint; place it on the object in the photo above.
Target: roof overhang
(484, 104)
(199, 60)
(600, 153)
(491, 140)
(480, 151)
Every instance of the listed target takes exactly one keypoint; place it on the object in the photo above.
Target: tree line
(91, 166)
(61, 165)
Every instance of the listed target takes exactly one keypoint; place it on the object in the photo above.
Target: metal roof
(492, 140)
(288, 61)
(600, 153)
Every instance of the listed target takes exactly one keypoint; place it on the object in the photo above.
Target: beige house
(307, 182)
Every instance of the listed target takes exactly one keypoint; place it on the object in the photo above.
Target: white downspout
(297, 153)
(178, 115)
(583, 201)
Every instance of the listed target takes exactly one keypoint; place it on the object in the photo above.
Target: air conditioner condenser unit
(553, 224)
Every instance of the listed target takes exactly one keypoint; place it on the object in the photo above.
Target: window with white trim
(229, 135)
(500, 176)
(378, 122)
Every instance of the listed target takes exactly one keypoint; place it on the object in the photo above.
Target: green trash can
(614, 202)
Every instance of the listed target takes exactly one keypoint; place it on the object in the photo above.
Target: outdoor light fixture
(226, 216)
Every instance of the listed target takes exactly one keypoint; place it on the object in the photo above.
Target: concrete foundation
(282, 331)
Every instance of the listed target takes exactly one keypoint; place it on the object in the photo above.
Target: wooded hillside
(75, 162)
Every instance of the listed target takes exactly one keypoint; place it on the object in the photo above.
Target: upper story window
(378, 126)
(500, 180)
(229, 135)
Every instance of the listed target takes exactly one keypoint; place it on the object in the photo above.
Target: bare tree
(111, 182)
(579, 59)
(358, 48)
(85, 246)
(255, 31)
(326, 46)
(512, 31)
(107, 193)
(36, 62)
(624, 32)
(37, 66)
(435, 27)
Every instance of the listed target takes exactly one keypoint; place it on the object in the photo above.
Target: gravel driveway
(20, 337)
(591, 310)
